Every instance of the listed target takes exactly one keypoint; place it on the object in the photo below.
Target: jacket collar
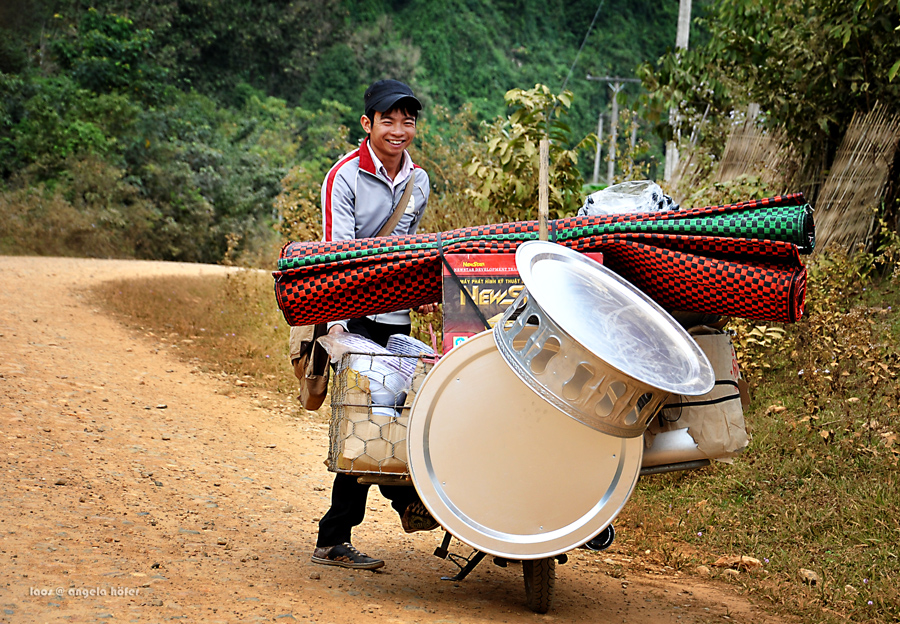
(365, 158)
(368, 165)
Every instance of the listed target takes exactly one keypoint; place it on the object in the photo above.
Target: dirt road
(136, 489)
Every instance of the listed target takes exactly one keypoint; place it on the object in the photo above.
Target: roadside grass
(817, 488)
(228, 324)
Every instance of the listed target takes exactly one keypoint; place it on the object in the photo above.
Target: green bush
(47, 121)
(91, 210)
(106, 53)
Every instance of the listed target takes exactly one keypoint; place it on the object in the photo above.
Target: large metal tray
(505, 471)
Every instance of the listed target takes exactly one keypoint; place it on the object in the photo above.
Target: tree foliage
(809, 64)
(298, 203)
(199, 115)
(107, 53)
(508, 174)
(472, 52)
(445, 143)
(214, 47)
(200, 171)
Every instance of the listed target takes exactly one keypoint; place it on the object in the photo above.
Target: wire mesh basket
(370, 402)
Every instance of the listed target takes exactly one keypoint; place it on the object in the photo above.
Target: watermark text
(83, 592)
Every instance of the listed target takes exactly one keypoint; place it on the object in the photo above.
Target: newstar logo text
(489, 296)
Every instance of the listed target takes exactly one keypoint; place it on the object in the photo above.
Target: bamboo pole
(544, 189)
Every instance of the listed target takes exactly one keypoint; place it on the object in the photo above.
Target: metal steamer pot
(525, 442)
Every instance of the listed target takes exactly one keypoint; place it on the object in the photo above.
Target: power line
(588, 34)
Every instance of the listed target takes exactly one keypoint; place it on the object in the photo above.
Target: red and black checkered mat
(689, 282)
(695, 265)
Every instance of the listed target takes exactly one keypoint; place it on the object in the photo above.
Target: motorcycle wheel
(540, 579)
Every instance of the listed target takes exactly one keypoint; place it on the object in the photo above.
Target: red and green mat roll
(738, 260)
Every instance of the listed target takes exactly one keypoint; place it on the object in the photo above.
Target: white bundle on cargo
(388, 379)
(635, 196)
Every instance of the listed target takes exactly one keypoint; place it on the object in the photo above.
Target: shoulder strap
(398, 211)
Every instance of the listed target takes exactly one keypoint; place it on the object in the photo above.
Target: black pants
(348, 497)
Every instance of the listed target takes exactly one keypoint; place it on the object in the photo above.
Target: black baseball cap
(384, 95)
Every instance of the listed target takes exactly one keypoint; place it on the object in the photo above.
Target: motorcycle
(526, 441)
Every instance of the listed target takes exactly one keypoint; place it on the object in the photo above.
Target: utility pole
(681, 43)
(613, 134)
(596, 178)
(634, 126)
(616, 84)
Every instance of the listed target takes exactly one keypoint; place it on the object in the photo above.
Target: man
(358, 198)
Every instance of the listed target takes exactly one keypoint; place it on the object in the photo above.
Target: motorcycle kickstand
(471, 561)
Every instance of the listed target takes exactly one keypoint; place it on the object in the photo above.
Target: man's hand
(336, 329)
(427, 308)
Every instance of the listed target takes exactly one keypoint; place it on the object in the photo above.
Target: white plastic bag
(636, 196)
(387, 378)
(715, 420)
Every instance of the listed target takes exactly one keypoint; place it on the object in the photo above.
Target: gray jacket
(357, 202)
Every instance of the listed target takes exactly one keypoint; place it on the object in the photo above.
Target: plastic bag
(343, 342)
(636, 196)
(388, 381)
(715, 420)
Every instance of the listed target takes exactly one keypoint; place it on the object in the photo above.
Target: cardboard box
(493, 283)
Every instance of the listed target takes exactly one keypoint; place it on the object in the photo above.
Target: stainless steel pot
(595, 346)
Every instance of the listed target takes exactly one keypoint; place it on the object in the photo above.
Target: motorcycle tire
(540, 580)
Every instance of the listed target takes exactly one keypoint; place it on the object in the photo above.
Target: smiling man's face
(390, 133)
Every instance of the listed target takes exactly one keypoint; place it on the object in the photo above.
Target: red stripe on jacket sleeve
(329, 185)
